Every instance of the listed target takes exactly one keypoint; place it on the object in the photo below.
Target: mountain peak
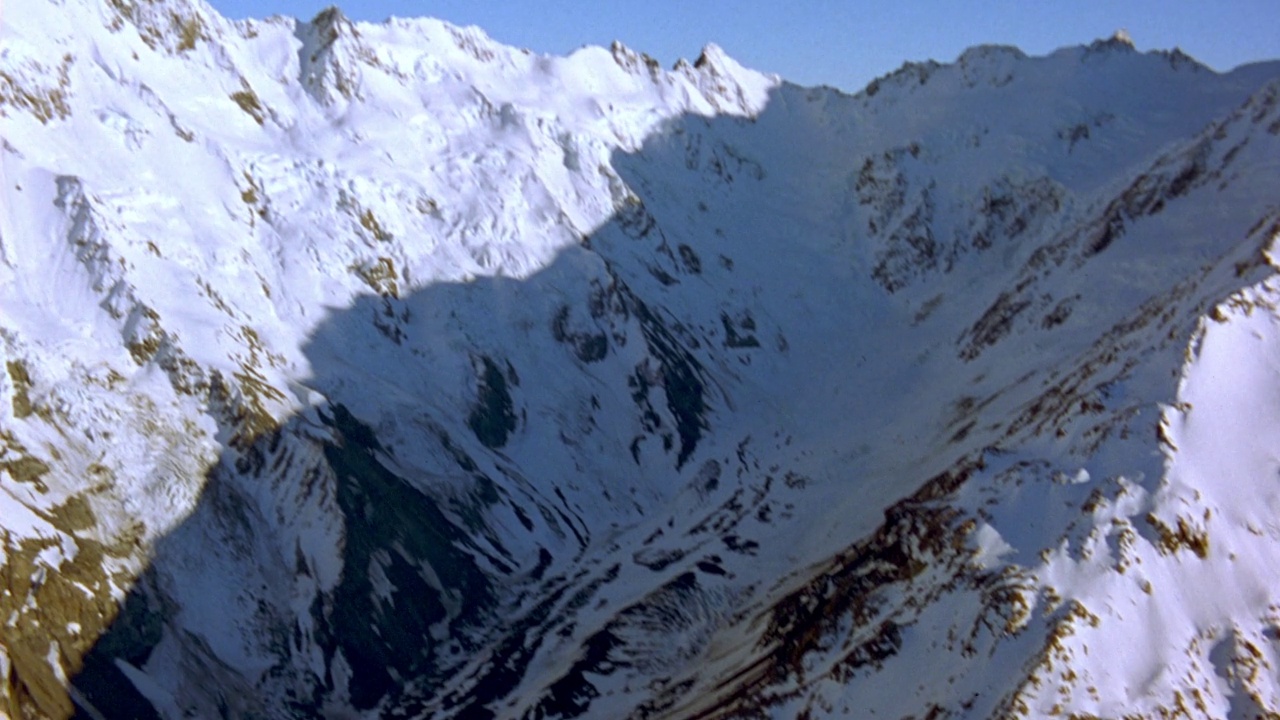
(1120, 40)
(730, 85)
(631, 60)
(330, 17)
(329, 66)
(712, 56)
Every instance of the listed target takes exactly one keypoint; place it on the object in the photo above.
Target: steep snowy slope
(382, 370)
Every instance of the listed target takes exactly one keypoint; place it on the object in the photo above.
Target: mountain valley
(382, 370)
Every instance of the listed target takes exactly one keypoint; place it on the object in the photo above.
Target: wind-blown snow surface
(382, 370)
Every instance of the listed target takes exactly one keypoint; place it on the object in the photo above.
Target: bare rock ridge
(382, 370)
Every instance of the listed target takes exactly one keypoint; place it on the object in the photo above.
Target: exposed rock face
(360, 370)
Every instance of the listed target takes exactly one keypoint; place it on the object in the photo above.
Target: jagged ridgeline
(382, 370)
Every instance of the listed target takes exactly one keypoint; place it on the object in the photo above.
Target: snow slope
(362, 370)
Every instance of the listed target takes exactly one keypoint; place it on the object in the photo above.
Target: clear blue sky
(844, 43)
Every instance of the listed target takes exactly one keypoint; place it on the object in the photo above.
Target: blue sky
(844, 43)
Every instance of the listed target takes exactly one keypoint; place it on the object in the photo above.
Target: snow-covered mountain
(359, 370)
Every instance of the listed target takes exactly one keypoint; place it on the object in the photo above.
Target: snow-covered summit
(367, 370)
